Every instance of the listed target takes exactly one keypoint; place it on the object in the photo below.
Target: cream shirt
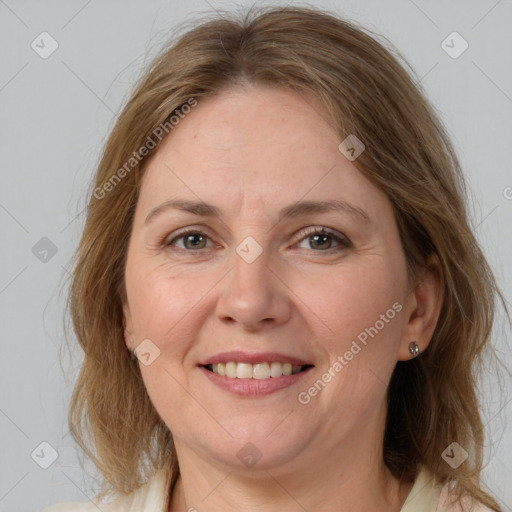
(425, 496)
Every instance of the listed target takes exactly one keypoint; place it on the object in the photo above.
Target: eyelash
(344, 242)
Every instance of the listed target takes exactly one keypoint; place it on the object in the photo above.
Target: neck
(365, 492)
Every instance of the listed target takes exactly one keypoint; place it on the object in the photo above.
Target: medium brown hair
(432, 399)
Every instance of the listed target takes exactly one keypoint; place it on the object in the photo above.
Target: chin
(258, 446)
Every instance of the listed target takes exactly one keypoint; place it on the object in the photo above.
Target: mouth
(260, 371)
(249, 374)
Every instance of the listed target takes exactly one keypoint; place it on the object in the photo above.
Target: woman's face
(245, 284)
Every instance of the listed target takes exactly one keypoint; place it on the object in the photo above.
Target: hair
(432, 399)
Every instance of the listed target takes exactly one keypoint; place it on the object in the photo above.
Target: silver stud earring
(414, 349)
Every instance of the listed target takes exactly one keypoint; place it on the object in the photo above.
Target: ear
(128, 326)
(423, 308)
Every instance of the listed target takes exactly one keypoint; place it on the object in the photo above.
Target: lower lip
(253, 387)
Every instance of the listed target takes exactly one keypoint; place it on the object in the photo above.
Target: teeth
(276, 369)
(258, 371)
(231, 370)
(261, 371)
(244, 371)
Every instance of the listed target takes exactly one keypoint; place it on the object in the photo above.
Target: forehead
(246, 120)
(253, 145)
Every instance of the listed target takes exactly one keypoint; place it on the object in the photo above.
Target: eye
(322, 238)
(318, 238)
(192, 240)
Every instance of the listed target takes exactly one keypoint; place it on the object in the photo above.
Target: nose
(253, 294)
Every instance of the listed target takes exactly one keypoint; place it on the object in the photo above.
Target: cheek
(168, 393)
(161, 300)
(354, 300)
(363, 313)
(171, 305)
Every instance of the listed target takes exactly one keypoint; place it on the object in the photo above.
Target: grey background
(56, 113)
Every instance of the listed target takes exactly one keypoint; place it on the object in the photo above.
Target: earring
(414, 349)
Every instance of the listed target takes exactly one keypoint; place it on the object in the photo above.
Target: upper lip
(253, 358)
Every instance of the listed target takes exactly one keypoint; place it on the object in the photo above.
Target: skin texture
(251, 151)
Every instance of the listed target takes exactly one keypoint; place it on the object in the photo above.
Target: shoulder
(69, 507)
(428, 495)
(150, 497)
(121, 504)
(466, 504)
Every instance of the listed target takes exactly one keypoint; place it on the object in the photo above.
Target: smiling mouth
(258, 371)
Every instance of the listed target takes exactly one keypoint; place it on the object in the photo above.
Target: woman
(279, 297)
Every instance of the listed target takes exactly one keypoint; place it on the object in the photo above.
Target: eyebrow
(294, 210)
